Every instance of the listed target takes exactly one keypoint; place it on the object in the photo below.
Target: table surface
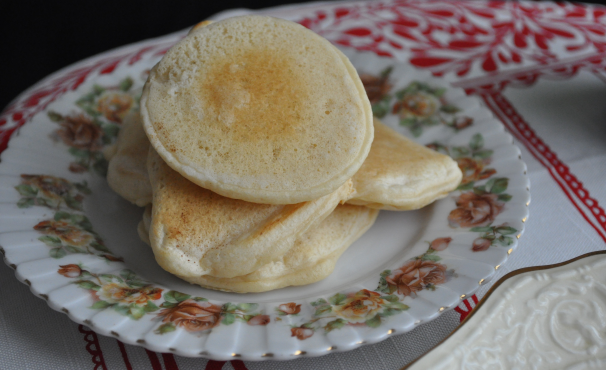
(539, 66)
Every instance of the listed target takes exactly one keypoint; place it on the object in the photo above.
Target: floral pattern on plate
(51, 192)
(67, 232)
(130, 295)
(97, 124)
(417, 105)
(198, 314)
(370, 308)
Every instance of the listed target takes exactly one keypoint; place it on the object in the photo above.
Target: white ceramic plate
(74, 241)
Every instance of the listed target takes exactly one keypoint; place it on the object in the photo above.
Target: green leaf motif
(228, 319)
(150, 307)
(398, 306)
(497, 185)
(165, 328)
(72, 202)
(128, 274)
(51, 241)
(476, 142)
(504, 241)
(85, 284)
(73, 249)
(57, 253)
(121, 309)
(247, 307)
(408, 122)
(307, 325)
(375, 322)
(98, 90)
(504, 197)
(459, 151)
(83, 222)
(450, 109)
(319, 302)
(390, 298)
(54, 116)
(100, 167)
(439, 92)
(336, 324)
(25, 202)
(322, 310)
(337, 299)
(481, 229)
(99, 305)
(167, 304)
(467, 186)
(26, 190)
(100, 247)
(390, 312)
(483, 154)
(380, 109)
(79, 153)
(200, 299)
(480, 190)
(135, 312)
(62, 215)
(229, 307)
(111, 131)
(386, 72)
(383, 287)
(506, 230)
(431, 257)
(126, 84)
(416, 130)
(82, 187)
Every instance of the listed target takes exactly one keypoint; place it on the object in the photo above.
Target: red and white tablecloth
(539, 66)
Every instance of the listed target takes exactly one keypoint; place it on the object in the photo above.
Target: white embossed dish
(544, 317)
(74, 241)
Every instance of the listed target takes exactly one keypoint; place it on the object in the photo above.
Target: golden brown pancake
(311, 259)
(400, 174)
(196, 232)
(259, 109)
(127, 170)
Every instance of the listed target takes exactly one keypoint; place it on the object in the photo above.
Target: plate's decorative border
(93, 123)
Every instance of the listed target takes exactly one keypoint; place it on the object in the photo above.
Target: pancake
(312, 258)
(199, 25)
(259, 109)
(400, 174)
(196, 232)
(127, 171)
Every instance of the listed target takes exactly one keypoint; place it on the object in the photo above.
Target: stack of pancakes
(254, 156)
